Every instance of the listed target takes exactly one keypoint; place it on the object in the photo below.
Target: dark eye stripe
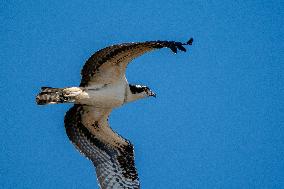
(137, 89)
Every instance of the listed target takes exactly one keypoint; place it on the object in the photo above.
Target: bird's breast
(106, 95)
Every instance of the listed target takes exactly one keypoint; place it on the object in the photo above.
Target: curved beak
(152, 94)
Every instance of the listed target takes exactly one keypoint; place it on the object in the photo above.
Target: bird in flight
(104, 87)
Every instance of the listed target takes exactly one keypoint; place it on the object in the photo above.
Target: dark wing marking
(112, 155)
(109, 64)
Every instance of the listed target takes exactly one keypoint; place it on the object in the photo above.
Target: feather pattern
(112, 155)
(108, 65)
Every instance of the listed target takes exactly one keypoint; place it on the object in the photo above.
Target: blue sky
(217, 121)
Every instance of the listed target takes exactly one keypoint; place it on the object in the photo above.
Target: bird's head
(140, 91)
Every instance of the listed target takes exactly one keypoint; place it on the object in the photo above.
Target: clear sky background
(217, 121)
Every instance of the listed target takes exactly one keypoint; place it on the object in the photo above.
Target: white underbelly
(109, 96)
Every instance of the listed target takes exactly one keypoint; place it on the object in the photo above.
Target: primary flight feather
(102, 88)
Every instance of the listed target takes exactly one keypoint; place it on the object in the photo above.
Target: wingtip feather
(190, 41)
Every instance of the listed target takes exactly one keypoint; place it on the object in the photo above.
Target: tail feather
(50, 95)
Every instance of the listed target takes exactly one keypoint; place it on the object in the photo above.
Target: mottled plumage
(102, 88)
(112, 156)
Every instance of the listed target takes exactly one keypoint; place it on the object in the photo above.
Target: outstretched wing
(113, 156)
(108, 65)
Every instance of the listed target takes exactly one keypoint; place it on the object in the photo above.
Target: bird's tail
(49, 95)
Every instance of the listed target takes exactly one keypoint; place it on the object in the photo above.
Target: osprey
(104, 87)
